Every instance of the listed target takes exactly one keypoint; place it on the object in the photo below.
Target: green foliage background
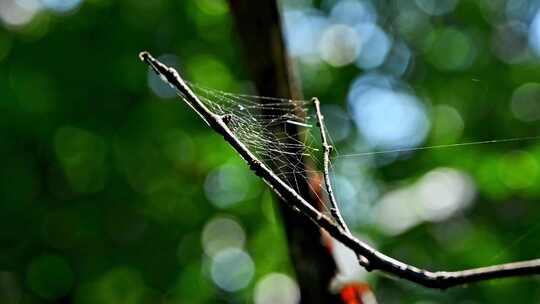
(102, 194)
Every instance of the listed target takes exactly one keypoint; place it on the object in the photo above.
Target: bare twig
(377, 260)
(327, 149)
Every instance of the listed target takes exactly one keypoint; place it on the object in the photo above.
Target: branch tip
(144, 56)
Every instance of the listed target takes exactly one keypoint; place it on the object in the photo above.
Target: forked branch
(376, 259)
(327, 149)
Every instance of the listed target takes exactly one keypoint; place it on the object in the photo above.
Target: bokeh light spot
(375, 45)
(510, 42)
(227, 185)
(388, 119)
(82, 156)
(437, 196)
(232, 269)
(518, 170)
(448, 124)
(412, 24)
(442, 192)
(36, 91)
(398, 60)
(119, 285)
(208, 71)
(339, 45)
(50, 276)
(525, 104)
(17, 13)
(450, 49)
(394, 212)
(177, 146)
(221, 233)
(277, 288)
(303, 30)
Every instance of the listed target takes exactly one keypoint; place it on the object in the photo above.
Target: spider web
(281, 133)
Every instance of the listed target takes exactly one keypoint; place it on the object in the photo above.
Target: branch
(327, 149)
(326, 164)
(377, 260)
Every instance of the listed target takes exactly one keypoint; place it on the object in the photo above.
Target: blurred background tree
(111, 192)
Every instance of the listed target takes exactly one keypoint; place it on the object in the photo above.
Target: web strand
(446, 146)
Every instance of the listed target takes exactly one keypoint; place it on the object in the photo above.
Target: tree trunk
(258, 25)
